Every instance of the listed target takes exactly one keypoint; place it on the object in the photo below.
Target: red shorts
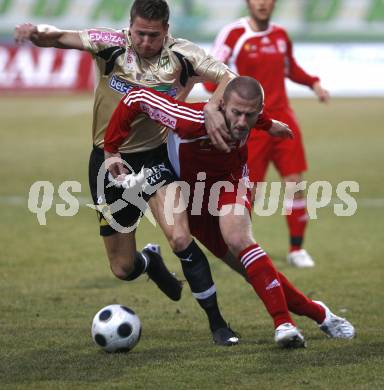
(190, 158)
(287, 155)
(206, 227)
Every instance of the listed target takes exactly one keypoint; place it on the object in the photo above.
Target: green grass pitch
(54, 278)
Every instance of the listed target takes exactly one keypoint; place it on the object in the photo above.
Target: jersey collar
(247, 26)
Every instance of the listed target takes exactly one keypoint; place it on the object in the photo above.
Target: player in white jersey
(145, 55)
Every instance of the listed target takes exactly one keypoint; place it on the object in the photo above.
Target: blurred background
(340, 40)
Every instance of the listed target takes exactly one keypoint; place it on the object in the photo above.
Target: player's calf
(198, 274)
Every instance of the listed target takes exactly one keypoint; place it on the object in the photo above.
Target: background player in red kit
(225, 226)
(257, 48)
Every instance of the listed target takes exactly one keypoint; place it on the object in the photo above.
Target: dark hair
(246, 87)
(150, 10)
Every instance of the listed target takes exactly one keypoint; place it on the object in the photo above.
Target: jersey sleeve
(211, 69)
(296, 73)
(198, 62)
(264, 122)
(96, 40)
(224, 43)
(185, 119)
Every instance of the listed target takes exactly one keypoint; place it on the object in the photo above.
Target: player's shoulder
(105, 36)
(277, 29)
(230, 34)
(179, 48)
(181, 45)
(141, 90)
(150, 99)
(235, 25)
(234, 28)
(146, 94)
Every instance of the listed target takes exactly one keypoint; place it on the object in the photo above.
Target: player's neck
(258, 25)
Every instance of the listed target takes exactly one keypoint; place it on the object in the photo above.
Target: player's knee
(179, 241)
(238, 242)
(121, 272)
(121, 266)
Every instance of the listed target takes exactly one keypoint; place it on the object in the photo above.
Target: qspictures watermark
(271, 198)
(41, 199)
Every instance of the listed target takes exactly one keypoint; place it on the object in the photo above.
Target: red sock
(297, 222)
(299, 304)
(265, 281)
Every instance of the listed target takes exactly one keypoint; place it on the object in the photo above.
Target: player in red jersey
(219, 215)
(257, 48)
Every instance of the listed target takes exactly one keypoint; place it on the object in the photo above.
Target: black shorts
(119, 209)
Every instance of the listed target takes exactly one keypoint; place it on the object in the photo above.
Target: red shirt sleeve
(296, 73)
(119, 125)
(264, 122)
(185, 119)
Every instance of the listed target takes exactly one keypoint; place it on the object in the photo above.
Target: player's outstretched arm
(298, 75)
(44, 35)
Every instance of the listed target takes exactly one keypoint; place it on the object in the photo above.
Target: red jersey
(266, 56)
(186, 120)
(190, 153)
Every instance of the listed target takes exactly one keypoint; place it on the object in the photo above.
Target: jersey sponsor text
(107, 37)
(159, 115)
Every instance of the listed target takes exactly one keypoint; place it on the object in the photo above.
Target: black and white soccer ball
(116, 328)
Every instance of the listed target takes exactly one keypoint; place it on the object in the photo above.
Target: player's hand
(115, 165)
(216, 127)
(280, 129)
(23, 32)
(320, 92)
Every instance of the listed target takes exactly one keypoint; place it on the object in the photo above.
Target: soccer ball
(116, 328)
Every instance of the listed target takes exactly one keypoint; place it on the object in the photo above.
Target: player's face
(261, 10)
(148, 36)
(241, 115)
